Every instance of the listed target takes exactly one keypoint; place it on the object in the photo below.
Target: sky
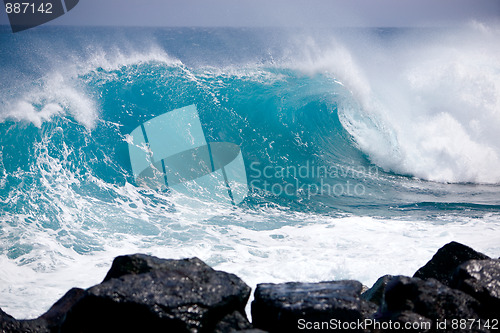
(263, 13)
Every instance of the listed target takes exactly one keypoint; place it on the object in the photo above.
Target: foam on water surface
(322, 249)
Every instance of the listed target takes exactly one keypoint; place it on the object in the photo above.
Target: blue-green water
(359, 145)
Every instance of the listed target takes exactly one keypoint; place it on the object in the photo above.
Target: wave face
(350, 139)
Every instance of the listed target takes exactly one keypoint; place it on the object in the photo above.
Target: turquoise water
(359, 145)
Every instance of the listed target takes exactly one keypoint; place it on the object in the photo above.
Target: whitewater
(365, 150)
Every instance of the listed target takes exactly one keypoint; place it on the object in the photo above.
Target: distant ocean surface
(365, 151)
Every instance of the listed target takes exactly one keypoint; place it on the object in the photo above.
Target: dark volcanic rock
(234, 322)
(376, 293)
(9, 324)
(148, 294)
(446, 260)
(139, 264)
(427, 298)
(481, 279)
(57, 313)
(281, 307)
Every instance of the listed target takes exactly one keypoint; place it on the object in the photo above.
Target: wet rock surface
(293, 307)
(9, 324)
(443, 264)
(481, 279)
(376, 293)
(183, 295)
(428, 298)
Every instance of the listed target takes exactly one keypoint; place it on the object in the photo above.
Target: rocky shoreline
(458, 290)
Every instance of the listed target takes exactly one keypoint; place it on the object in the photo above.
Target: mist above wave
(428, 101)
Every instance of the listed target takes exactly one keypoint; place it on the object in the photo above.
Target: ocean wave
(404, 134)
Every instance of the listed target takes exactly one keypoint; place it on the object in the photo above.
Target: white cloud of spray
(428, 101)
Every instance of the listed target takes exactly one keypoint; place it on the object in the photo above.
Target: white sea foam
(426, 104)
(324, 249)
(54, 95)
(115, 58)
(59, 92)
